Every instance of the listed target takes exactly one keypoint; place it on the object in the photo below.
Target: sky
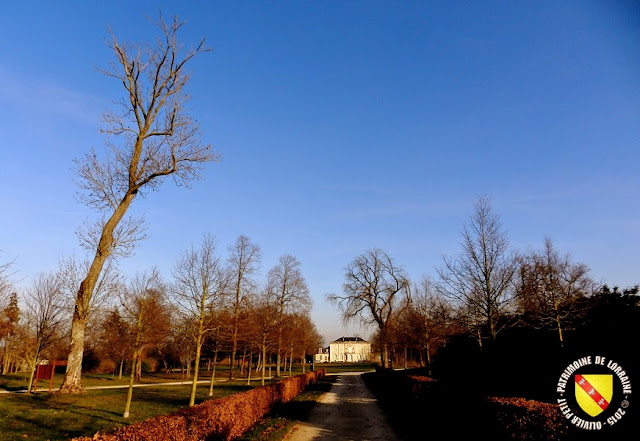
(342, 126)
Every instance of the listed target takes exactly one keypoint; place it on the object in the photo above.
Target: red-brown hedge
(221, 419)
(526, 420)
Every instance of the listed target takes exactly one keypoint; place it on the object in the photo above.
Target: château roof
(349, 339)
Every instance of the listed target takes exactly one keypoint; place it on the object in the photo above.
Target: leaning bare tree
(479, 278)
(372, 289)
(290, 293)
(149, 139)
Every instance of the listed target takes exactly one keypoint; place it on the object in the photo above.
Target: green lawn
(336, 368)
(18, 382)
(51, 416)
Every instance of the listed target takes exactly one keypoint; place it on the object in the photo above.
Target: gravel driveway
(347, 412)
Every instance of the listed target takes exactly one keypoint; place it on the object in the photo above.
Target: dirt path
(347, 412)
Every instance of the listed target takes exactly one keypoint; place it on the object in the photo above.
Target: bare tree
(264, 314)
(200, 288)
(549, 289)
(149, 139)
(372, 289)
(290, 293)
(143, 308)
(429, 315)
(479, 278)
(244, 261)
(44, 314)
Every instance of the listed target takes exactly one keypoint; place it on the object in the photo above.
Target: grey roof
(350, 339)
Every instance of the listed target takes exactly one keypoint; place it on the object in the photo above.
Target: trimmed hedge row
(220, 419)
(526, 420)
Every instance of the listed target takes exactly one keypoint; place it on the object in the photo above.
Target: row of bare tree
(211, 303)
(486, 287)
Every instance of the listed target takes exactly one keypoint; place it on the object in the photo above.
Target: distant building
(322, 356)
(345, 349)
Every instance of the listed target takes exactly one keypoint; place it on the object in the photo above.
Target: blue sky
(343, 126)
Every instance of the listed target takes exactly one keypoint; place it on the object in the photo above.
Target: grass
(51, 416)
(337, 368)
(18, 382)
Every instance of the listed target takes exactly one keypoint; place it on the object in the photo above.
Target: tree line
(486, 290)
(211, 308)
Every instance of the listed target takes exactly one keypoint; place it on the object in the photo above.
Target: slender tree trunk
(120, 372)
(194, 382)
(215, 363)
(284, 367)
(558, 322)
(264, 355)
(304, 354)
(279, 350)
(234, 337)
(213, 374)
(32, 374)
(249, 373)
(139, 366)
(405, 356)
(244, 355)
(127, 406)
(291, 360)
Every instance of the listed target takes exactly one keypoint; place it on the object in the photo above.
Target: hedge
(526, 420)
(220, 419)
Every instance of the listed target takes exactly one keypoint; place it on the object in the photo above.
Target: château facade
(345, 349)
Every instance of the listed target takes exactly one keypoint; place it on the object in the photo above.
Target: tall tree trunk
(384, 350)
(120, 372)
(304, 355)
(73, 374)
